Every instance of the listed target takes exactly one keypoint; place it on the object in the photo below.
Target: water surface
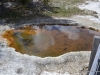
(50, 40)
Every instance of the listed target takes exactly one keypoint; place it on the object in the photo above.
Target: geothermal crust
(72, 63)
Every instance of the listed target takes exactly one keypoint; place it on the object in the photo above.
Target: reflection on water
(48, 40)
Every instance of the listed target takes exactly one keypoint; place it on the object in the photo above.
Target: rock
(19, 71)
(94, 12)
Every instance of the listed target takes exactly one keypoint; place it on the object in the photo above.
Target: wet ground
(50, 40)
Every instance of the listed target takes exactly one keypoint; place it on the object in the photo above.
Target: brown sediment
(49, 42)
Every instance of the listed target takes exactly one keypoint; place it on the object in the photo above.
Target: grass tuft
(63, 12)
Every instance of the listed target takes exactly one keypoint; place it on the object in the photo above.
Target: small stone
(20, 71)
(94, 12)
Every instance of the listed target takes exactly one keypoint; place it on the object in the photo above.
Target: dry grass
(63, 12)
(66, 8)
(66, 2)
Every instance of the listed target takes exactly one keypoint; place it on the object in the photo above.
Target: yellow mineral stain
(13, 40)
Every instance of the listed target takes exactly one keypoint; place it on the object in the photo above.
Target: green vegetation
(63, 12)
(65, 8)
(67, 2)
(26, 9)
